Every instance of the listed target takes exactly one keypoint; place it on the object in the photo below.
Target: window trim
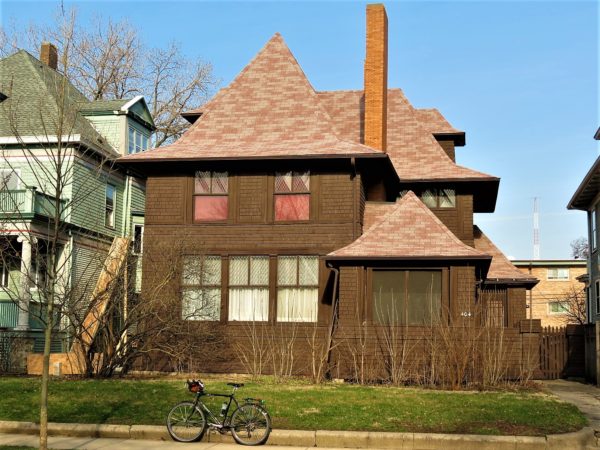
(133, 249)
(548, 278)
(367, 312)
(211, 194)
(593, 230)
(308, 192)
(202, 286)
(316, 286)
(113, 209)
(17, 172)
(557, 313)
(267, 286)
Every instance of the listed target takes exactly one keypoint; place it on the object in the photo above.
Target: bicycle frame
(212, 420)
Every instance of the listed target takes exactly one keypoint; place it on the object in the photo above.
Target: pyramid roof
(270, 110)
(409, 230)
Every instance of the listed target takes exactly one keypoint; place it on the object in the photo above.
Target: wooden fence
(562, 351)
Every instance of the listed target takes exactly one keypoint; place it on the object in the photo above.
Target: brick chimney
(376, 78)
(49, 55)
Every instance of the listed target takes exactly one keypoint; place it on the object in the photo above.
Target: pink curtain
(292, 207)
(209, 208)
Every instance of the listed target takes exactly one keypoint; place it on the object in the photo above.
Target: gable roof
(501, 269)
(415, 153)
(409, 230)
(34, 92)
(270, 110)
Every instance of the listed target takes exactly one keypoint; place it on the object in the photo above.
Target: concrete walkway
(585, 396)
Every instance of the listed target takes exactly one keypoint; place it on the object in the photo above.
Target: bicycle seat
(236, 385)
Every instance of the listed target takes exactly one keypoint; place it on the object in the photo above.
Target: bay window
(249, 288)
(201, 288)
(292, 196)
(406, 297)
(297, 288)
(211, 200)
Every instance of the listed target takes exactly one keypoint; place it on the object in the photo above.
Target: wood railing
(25, 203)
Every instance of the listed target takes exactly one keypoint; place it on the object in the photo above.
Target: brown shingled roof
(269, 111)
(408, 231)
(415, 153)
(501, 269)
(434, 122)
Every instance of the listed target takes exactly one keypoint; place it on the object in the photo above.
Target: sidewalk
(585, 396)
(89, 436)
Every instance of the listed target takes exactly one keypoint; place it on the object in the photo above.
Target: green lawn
(300, 406)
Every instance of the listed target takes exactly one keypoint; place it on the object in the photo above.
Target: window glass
(131, 141)
(201, 288)
(109, 217)
(403, 297)
(9, 179)
(558, 274)
(558, 307)
(138, 239)
(249, 288)
(593, 230)
(298, 288)
(429, 198)
(211, 202)
(144, 142)
(447, 198)
(292, 196)
(597, 297)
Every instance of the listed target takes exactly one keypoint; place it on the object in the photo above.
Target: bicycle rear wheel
(250, 425)
(186, 422)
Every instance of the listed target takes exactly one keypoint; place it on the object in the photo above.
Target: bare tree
(110, 61)
(573, 303)
(580, 248)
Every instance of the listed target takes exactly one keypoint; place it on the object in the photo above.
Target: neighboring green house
(100, 201)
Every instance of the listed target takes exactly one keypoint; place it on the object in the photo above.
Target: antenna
(536, 229)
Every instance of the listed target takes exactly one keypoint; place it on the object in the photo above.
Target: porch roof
(408, 230)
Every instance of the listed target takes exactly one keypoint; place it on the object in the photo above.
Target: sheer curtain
(249, 304)
(297, 304)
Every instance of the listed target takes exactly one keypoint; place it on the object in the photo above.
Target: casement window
(137, 142)
(558, 274)
(593, 231)
(249, 288)
(558, 307)
(201, 288)
(297, 288)
(9, 179)
(138, 239)
(406, 297)
(109, 208)
(292, 196)
(211, 199)
(439, 198)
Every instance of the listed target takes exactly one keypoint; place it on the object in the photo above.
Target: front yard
(297, 405)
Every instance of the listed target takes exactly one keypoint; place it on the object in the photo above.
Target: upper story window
(201, 288)
(558, 274)
(439, 198)
(297, 288)
(211, 199)
(138, 141)
(109, 209)
(597, 296)
(292, 196)
(4, 274)
(593, 230)
(249, 288)
(406, 297)
(9, 179)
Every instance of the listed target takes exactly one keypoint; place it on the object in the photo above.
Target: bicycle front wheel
(186, 422)
(250, 425)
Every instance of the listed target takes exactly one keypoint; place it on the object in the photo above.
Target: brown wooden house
(328, 211)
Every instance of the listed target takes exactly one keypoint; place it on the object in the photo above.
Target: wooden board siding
(448, 146)
(517, 311)
(462, 295)
(165, 200)
(459, 220)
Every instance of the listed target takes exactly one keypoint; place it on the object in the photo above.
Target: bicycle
(249, 423)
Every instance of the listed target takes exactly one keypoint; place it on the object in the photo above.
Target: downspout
(334, 305)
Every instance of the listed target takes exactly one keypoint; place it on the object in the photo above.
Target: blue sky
(521, 78)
